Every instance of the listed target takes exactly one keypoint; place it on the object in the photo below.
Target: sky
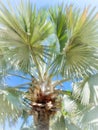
(47, 3)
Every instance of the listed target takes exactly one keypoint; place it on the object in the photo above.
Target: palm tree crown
(48, 48)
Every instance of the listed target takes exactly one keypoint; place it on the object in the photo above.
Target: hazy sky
(46, 3)
(78, 3)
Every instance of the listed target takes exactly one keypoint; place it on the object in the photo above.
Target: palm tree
(48, 48)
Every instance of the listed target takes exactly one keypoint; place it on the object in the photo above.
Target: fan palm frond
(71, 126)
(81, 48)
(10, 106)
(86, 90)
(23, 32)
(63, 123)
(91, 115)
(59, 124)
(89, 118)
(58, 18)
(69, 105)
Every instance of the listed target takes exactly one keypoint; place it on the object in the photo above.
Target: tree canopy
(48, 47)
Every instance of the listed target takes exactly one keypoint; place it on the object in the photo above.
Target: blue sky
(47, 3)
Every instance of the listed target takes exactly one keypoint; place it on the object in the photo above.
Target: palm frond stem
(58, 82)
(38, 68)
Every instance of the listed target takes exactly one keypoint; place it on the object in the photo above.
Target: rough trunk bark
(43, 120)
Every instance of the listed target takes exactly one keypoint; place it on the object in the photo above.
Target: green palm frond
(69, 105)
(79, 56)
(59, 124)
(10, 106)
(82, 41)
(76, 114)
(86, 90)
(23, 32)
(69, 116)
(89, 119)
(58, 18)
(62, 123)
(3, 60)
(90, 116)
(71, 126)
(25, 118)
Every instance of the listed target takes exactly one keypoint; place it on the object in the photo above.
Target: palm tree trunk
(43, 120)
